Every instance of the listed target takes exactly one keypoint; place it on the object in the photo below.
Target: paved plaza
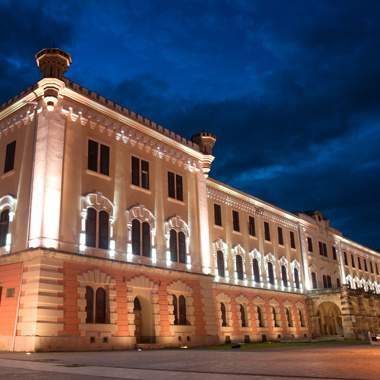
(343, 361)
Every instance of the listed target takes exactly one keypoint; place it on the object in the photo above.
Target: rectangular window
(140, 173)
(10, 157)
(334, 253)
(251, 226)
(175, 186)
(292, 240)
(359, 264)
(98, 156)
(365, 265)
(217, 214)
(235, 220)
(324, 250)
(371, 266)
(345, 258)
(280, 237)
(352, 261)
(377, 269)
(266, 231)
(320, 245)
(309, 244)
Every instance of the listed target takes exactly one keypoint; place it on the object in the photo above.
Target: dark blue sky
(290, 88)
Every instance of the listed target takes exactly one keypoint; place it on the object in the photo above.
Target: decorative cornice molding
(251, 208)
(128, 135)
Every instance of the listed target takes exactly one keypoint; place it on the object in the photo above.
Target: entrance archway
(329, 319)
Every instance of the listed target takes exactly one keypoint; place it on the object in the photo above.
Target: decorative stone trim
(8, 202)
(129, 135)
(179, 288)
(220, 245)
(142, 214)
(98, 279)
(179, 225)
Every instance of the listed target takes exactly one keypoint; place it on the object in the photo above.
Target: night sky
(290, 88)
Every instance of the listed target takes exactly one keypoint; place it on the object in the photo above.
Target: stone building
(112, 234)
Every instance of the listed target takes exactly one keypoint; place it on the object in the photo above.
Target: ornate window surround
(284, 262)
(239, 250)
(296, 265)
(99, 203)
(220, 245)
(8, 202)
(142, 214)
(255, 254)
(269, 258)
(179, 225)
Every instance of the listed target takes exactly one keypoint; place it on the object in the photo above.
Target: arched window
(296, 279)
(223, 313)
(300, 315)
(242, 316)
(91, 227)
(270, 273)
(175, 309)
(97, 238)
(182, 310)
(89, 305)
(103, 229)
(255, 270)
(275, 324)
(220, 261)
(179, 310)
(140, 238)
(100, 306)
(289, 317)
(314, 280)
(239, 267)
(177, 246)
(284, 276)
(4, 225)
(95, 306)
(259, 316)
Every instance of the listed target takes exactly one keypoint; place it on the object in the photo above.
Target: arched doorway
(329, 319)
(137, 313)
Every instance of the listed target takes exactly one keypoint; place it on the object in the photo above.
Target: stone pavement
(319, 362)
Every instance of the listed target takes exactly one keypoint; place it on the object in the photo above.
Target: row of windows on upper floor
(251, 226)
(98, 160)
(322, 248)
(353, 265)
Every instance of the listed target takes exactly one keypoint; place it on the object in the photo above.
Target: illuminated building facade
(112, 234)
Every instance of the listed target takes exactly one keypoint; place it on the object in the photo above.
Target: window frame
(267, 231)
(140, 176)
(280, 236)
(251, 226)
(99, 161)
(175, 186)
(217, 215)
(10, 156)
(292, 240)
(235, 221)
